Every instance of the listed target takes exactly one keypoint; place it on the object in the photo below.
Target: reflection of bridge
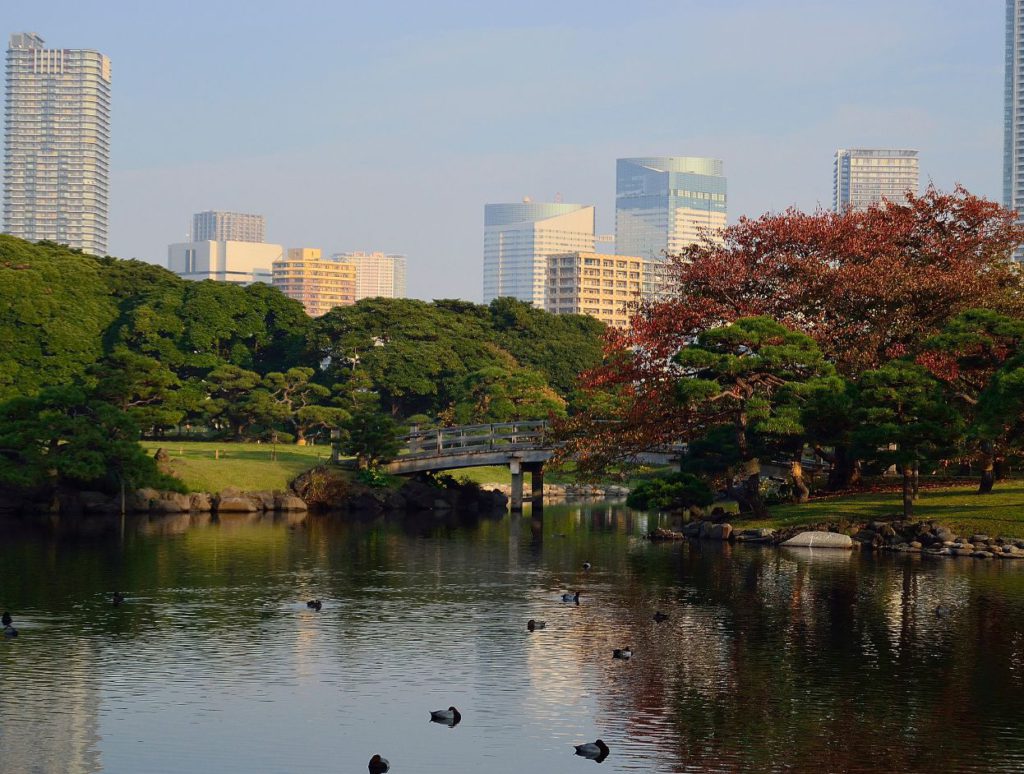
(523, 446)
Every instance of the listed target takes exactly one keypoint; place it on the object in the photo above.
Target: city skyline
(439, 133)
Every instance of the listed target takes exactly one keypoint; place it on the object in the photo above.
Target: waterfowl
(6, 619)
(9, 630)
(626, 652)
(378, 765)
(587, 566)
(571, 597)
(315, 604)
(595, 751)
(534, 625)
(942, 611)
(118, 599)
(451, 716)
(660, 616)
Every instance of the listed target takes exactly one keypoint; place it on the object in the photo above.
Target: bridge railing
(499, 436)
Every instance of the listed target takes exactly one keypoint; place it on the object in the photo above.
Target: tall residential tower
(57, 144)
(863, 176)
(1013, 123)
(519, 237)
(378, 275)
(217, 226)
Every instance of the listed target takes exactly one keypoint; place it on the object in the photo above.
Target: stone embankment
(157, 502)
(924, 538)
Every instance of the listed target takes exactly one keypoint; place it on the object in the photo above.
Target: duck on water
(8, 622)
(594, 751)
(450, 717)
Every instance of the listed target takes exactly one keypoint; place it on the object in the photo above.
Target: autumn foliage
(866, 286)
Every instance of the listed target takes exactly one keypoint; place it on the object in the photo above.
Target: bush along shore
(927, 538)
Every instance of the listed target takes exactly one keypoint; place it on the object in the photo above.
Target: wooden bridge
(523, 446)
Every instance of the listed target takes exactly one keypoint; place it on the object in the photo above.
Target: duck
(535, 625)
(626, 652)
(587, 566)
(451, 716)
(571, 597)
(595, 751)
(942, 611)
(315, 604)
(660, 616)
(9, 630)
(118, 599)
(379, 765)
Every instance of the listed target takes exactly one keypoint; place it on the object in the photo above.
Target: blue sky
(387, 126)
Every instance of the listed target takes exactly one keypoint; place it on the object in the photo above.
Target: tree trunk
(845, 471)
(908, 492)
(988, 468)
(801, 493)
(749, 493)
(916, 472)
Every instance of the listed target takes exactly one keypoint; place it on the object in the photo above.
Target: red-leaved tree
(867, 286)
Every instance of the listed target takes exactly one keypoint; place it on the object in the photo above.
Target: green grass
(498, 474)
(210, 466)
(957, 507)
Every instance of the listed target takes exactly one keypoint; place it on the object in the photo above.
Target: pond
(770, 660)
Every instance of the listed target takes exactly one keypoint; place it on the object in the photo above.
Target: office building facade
(224, 261)
(378, 275)
(595, 284)
(665, 203)
(519, 237)
(319, 284)
(218, 226)
(57, 144)
(862, 177)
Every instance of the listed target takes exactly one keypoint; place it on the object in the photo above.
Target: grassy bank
(959, 508)
(211, 467)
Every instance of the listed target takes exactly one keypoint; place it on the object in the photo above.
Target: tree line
(889, 337)
(126, 349)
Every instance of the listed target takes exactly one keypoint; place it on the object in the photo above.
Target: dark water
(771, 660)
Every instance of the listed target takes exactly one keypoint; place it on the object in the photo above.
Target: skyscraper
(217, 226)
(378, 275)
(863, 176)
(319, 283)
(57, 144)
(1013, 115)
(663, 203)
(519, 237)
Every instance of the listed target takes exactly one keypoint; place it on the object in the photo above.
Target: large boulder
(819, 540)
(141, 498)
(265, 500)
(287, 502)
(234, 501)
(721, 531)
(201, 502)
(170, 502)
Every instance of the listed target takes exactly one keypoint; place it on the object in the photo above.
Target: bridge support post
(537, 484)
(515, 467)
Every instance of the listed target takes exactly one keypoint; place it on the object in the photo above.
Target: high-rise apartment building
(518, 238)
(596, 284)
(378, 275)
(224, 261)
(320, 284)
(864, 176)
(57, 144)
(1013, 116)
(217, 226)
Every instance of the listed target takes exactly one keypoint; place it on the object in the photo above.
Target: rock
(762, 535)
(705, 529)
(287, 502)
(979, 539)
(200, 501)
(97, 502)
(666, 534)
(887, 531)
(419, 496)
(819, 540)
(721, 531)
(916, 544)
(170, 502)
(235, 504)
(265, 500)
(692, 529)
(441, 504)
(943, 534)
(981, 554)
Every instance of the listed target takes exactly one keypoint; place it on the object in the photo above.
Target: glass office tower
(862, 177)
(57, 144)
(663, 204)
(518, 238)
(1013, 115)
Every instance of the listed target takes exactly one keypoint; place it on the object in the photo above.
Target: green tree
(64, 437)
(678, 491)
(752, 375)
(370, 435)
(234, 401)
(496, 394)
(140, 386)
(904, 419)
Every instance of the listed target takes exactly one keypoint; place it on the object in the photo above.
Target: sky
(387, 126)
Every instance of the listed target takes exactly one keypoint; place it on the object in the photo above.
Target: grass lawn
(959, 508)
(213, 466)
(498, 474)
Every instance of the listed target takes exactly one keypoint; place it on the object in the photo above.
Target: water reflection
(768, 660)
